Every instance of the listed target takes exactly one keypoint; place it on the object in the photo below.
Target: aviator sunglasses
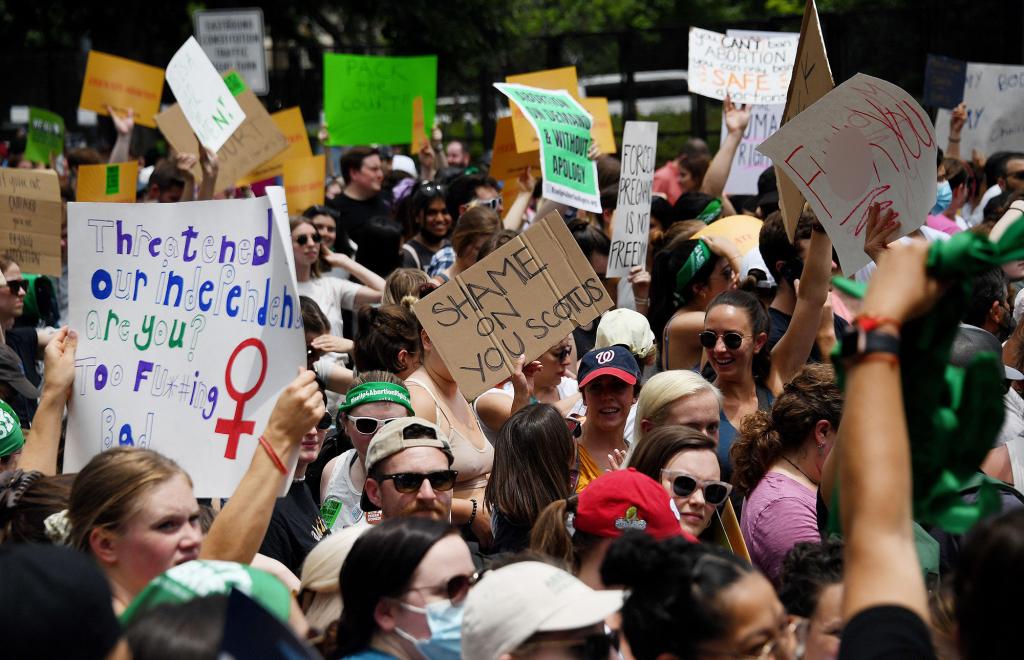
(709, 338)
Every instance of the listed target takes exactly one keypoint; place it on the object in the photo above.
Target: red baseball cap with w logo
(611, 361)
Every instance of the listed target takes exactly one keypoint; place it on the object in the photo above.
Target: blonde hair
(320, 573)
(664, 389)
(109, 489)
(402, 283)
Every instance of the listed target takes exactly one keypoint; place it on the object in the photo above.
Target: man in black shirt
(360, 201)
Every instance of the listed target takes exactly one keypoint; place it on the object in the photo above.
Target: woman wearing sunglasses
(376, 398)
(735, 333)
(778, 460)
(403, 587)
(24, 344)
(684, 462)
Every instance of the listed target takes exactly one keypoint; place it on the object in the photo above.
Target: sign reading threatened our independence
(521, 299)
(563, 126)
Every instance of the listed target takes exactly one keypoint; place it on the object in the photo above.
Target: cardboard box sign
(521, 299)
(30, 219)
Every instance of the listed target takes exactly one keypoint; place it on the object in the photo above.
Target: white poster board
(867, 141)
(233, 39)
(632, 219)
(994, 96)
(189, 328)
(748, 68)
(211, 109)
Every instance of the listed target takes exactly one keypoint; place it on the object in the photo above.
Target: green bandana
(371, 392)
(711, 211)
(953, 414)
(202, 577)
(700, 255)
(11, 439)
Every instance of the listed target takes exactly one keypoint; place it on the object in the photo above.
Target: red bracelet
(867, 322)
(273, 455)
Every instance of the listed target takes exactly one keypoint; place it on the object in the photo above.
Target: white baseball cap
(512, 603)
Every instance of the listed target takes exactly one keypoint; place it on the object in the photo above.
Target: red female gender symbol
(236, 427)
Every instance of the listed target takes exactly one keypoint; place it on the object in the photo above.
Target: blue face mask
(445, 622)
(943, 199)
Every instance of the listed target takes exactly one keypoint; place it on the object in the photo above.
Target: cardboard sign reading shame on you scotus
(563, 126)
(521, 299)
(867, 141)
(189, 328)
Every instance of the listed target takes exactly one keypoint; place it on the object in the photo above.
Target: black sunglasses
(564, 353)
(715, 492)
(369, 425)
(431, 189)
(410, 482)
(455, 588)
(732, 340)
(325, 422)
(17, 285)
(305, 238)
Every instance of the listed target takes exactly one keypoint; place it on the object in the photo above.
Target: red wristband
(273, 456)
(867, 322)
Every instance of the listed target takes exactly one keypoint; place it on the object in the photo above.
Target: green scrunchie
(700, 256)
(953, 414)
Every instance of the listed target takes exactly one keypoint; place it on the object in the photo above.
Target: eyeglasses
(455, 588)
(306, 238)
(563, 354)
(592, 647)
(683, 485)
(410, 482)
(16, 286)
(574, 421)
(709, 338)
(431, 189)
(369, 425)
(492, 203)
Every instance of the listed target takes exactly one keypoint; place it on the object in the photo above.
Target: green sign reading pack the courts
(563, 127)
(45, 136)
(368, 99)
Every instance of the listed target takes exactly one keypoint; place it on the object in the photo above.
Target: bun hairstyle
(401, 283)
(766, 435)
(383, 332)
(673, 585)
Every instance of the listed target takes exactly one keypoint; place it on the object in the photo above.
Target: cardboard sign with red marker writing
(867, 141)
(521, 299)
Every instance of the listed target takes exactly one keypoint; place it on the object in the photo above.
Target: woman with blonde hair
(679, 397)
(401, 283)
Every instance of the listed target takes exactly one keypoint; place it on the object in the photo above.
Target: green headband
(711, 211)
(700, 255)
(372, 392)
(11, 438)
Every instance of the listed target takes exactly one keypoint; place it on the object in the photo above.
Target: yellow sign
(564, 78)
(122, 84)
(292, 126)
(304, 183)
(115, 182)
(601, 131)
(506, 162)
(419, 128)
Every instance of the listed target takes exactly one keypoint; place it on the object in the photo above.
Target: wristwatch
(858, 342)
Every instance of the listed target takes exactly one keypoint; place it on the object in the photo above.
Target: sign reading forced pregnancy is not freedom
(189, 328)
(563, 127)
(521, 299)
(632, 220)
(206, 101)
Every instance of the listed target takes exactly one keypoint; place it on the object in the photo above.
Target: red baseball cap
(621, 500)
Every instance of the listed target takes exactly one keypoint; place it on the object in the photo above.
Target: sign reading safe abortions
(189, 327)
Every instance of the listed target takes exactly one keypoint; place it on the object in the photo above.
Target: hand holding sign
(208, 104)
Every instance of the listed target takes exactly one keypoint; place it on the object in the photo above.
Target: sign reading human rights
(189, 328)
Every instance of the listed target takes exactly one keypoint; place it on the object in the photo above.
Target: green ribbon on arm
(953, 414)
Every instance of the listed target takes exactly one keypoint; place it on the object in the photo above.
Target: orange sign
(419, 128)
(122, 84)
(564, 78)
(601, 130)
(293, 127)
(115, 182)
(506, 162)
(304, 182)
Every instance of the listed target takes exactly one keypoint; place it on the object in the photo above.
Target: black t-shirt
(779, 323)
(424, 254)
(886, 631)
(25, 342)
(295, 527)
(355, 214)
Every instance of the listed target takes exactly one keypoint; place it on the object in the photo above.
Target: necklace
(800, 471)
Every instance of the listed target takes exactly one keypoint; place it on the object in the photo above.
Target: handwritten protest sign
(189, 327)
(30, 219)
(208, 104)
(290, 124)
(632, 218)
(122, 84)
(944, 80)
(419, 126)
(867, 141)
(304, 182)
(994, 96)
(519, 300)
(368, 99)
(812, 79)
(506, 162)
(253, 143)
(233, 39)
(563, 78)
(45, 136)
(601, 131)
(748, 69)
(570, 177)
(115, 182)
(748, 163)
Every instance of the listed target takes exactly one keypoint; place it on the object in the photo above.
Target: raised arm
(358, 271)
(238, 530)
(736, 120)
(880, 561)
(956, 124)
(124, 125)
(41, 447)
(211, 167)
(514, 214)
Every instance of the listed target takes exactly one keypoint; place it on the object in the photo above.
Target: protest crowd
(557, 401)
